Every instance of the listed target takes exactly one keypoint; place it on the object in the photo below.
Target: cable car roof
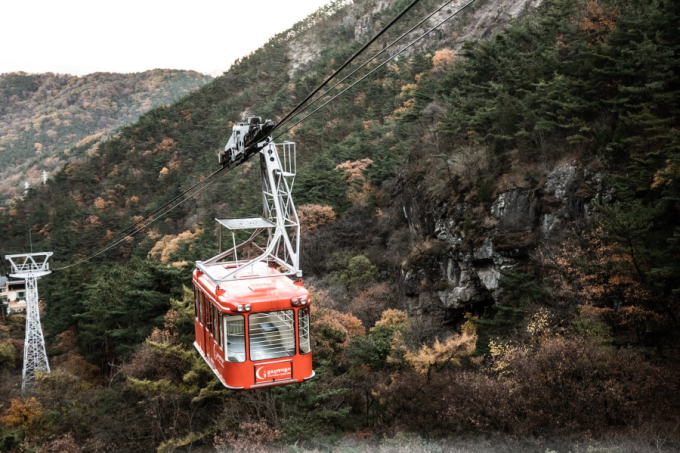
(246, 224)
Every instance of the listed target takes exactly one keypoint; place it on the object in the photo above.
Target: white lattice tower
(30, 267)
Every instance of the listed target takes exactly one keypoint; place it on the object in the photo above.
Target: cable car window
(234, 329)
(219, 330)
(195, 303)
(272, 335)
(303, 330)
(213, 319)
(199, 301)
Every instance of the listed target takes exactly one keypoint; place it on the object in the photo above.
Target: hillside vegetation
(42, 116)
(490, 239)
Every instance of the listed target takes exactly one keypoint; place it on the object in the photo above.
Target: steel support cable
(370, 59)
(378, 67)
(351, 59)
(130, 227)
(146, 225)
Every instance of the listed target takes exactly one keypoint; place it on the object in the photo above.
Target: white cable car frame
(279, 221)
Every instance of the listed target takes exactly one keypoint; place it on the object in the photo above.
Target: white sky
(83, 36)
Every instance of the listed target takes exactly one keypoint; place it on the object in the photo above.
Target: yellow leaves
(540, 323)
(439, 355)
(405, 108)
(71, 169)
(408, 90)
(666, 175)
(168, 334)
(169, 244)
(38, 148)
(392, 318)
(313, 216)
(164, 171)
(88, 139)
(332, 123)
(22, 413)
(92, 151)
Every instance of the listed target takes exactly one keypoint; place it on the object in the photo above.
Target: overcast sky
(84, 36)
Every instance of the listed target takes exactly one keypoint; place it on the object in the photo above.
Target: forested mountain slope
(490, 237)
(42, 116)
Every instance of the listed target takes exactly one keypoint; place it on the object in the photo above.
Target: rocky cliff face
(481, 20)
(470, 242)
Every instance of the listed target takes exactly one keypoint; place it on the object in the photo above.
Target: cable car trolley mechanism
(251, 309)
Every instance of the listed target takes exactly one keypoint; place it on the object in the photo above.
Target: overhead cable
(146, 225)
(351, 59)
(385, 49)
(379, 66)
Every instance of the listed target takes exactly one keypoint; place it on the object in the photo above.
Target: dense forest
(490, 236)
(43, 116)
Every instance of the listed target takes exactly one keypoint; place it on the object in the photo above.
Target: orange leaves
(167, 335)
(592, 271)
(342, 322)
(442, 59)
(324, 315)
(598, 22)
(103, 205)
(359, 186)
(313, 216)
(165, 145)
(133, 200)
(22, 413)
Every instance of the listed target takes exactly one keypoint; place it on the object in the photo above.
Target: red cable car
(251, 309)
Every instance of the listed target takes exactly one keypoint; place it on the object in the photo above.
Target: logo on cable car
(273, 371)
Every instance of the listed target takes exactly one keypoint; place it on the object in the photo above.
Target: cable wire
(385, 49)
(352, 58)
(133, 225)
(146, 225)
(378, 67)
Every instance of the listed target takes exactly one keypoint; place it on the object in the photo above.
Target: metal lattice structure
(30, 267)
(279, 224)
